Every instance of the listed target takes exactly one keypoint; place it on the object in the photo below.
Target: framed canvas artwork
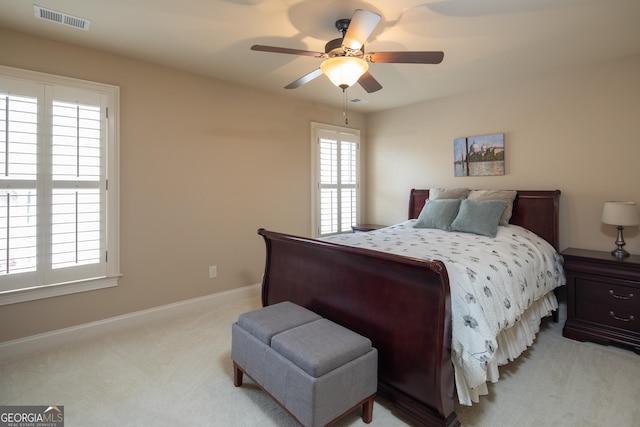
(479, 155)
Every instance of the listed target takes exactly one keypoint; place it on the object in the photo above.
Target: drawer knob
(613, 294)
(622, 319)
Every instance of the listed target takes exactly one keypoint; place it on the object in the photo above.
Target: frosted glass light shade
(344, 71)
(620, 213)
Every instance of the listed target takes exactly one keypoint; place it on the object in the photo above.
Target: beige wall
(204, 164)
(576, 131)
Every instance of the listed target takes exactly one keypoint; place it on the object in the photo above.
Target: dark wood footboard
(402, 304)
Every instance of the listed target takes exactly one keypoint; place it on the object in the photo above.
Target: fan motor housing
(334, 48)
(343, 25)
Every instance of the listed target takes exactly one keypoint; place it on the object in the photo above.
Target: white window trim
(316, 129)
(113, 195)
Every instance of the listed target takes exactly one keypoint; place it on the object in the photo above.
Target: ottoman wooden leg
(367, 409)
(237, 375)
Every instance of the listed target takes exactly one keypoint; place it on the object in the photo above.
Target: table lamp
(620, 214)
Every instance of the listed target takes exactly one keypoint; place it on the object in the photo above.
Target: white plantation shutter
(58, 218)
(349, 183)
(18, 171)
(77, 174)
(336, 190)
(328, 186)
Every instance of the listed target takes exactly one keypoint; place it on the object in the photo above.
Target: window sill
(41, 292)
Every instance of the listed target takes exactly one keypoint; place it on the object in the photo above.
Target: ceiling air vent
(61, 18)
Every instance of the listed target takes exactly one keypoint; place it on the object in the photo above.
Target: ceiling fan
(345, 61)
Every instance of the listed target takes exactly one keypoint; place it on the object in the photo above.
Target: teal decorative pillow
(479, 217)
(438, 214)
(506, 195)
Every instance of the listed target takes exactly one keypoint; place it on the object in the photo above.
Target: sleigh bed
(403, 302)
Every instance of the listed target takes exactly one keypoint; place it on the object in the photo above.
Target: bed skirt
(512, 342)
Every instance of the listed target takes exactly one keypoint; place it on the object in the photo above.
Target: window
(336, 185)
(58, 185)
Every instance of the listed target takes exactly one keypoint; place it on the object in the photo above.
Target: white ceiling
(485, 41)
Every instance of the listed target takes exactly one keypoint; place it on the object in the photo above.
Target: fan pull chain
(344, 106)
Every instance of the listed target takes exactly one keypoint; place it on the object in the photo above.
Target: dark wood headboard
(534, 210)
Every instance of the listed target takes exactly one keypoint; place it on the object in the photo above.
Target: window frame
(318, 129)
(111, 96)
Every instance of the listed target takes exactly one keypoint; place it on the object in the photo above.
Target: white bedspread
(500, 289)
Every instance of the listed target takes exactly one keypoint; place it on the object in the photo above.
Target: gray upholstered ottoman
(317, 370)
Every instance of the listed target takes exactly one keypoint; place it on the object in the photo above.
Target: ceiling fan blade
(304, 79)
(275, 49)
(369, 83)
(405, 57)
(362, 25)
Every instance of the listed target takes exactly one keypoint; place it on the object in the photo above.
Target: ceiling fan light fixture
(344, 71)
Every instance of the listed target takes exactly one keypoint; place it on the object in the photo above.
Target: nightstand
(603, 298)
(362, 228)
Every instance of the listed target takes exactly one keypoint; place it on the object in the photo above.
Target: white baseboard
(22, 346)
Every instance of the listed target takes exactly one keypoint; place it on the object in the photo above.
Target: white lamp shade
(620, 213)
(344, 71)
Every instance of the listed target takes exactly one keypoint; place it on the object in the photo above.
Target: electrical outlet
(213, 272)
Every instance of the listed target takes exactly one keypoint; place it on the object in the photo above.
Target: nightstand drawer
(607, 293)
(615, 316)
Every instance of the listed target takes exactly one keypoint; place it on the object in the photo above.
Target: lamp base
(620, 253)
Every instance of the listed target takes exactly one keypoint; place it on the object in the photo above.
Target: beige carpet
(178, 373)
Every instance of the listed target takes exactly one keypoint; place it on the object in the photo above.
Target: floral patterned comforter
(493, 282)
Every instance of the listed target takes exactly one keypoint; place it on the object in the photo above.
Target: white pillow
(447, 193)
